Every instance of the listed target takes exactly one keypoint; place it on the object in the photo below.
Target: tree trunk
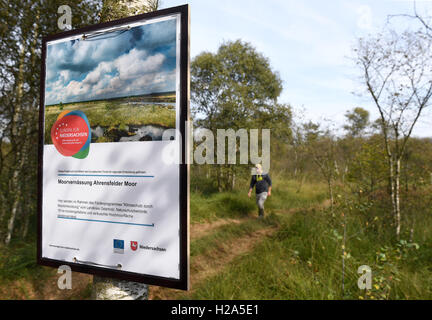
(26, 225)
(411, 238)
(233, 177)
(406, 178)
(19, 156)
(16, 186)
(397, 199)
(392, 183)
(15, 204)
(3, 204)
(219, 179)
(302, 180)
(330, 186)
(11, 222)
(26, 211)
(343, 253)
(114, 289)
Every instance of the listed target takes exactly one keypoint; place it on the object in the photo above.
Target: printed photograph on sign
(121, 82)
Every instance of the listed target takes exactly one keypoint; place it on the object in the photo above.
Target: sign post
(113, 149)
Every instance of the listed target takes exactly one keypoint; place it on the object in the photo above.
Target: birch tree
(25, 23)
(397, 74)
(108, 288)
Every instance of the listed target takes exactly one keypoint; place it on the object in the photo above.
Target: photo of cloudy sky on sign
(138, 61)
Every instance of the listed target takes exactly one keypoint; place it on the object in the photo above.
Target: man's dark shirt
(262, 182)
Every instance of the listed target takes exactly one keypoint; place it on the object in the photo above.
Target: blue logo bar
(118, 246)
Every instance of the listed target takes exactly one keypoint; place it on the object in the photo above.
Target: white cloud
(135, 63)
(131, 73)
(95, 75)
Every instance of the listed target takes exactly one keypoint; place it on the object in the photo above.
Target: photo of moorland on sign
(136, 118)
(123, 80)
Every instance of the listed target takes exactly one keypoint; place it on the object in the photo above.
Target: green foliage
(24, 23)
(236, 88)
(416, 164)
(358, 120)
(110, 106)
(114, 9)
(368, 165)
(19, 261)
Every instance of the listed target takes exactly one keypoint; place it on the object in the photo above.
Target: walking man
(263, 186)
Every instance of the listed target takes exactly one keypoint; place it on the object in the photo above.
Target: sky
(309, 42)
(141, 60)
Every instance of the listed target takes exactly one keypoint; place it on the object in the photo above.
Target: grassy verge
(233, 204)
(236, 204)
(303, 260)
(286, 195)
(22, 278)
(18, 267)
(18, 261)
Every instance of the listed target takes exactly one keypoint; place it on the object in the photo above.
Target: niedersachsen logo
(118, 246)
(71, 134)
(134, 245)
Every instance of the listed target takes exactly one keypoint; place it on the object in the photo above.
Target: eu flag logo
(118, 246)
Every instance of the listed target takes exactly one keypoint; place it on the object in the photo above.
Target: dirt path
(208, 265)
(47, 289)
(80, 283)
(198, 230)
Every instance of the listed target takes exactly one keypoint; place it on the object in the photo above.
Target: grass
(211, 206)
(299, 262)
(303, 260)
(18, 261)
(271, 271)
(114, 114)
(18, 268)
(285, 196)
(234, 204)
(22, 278)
